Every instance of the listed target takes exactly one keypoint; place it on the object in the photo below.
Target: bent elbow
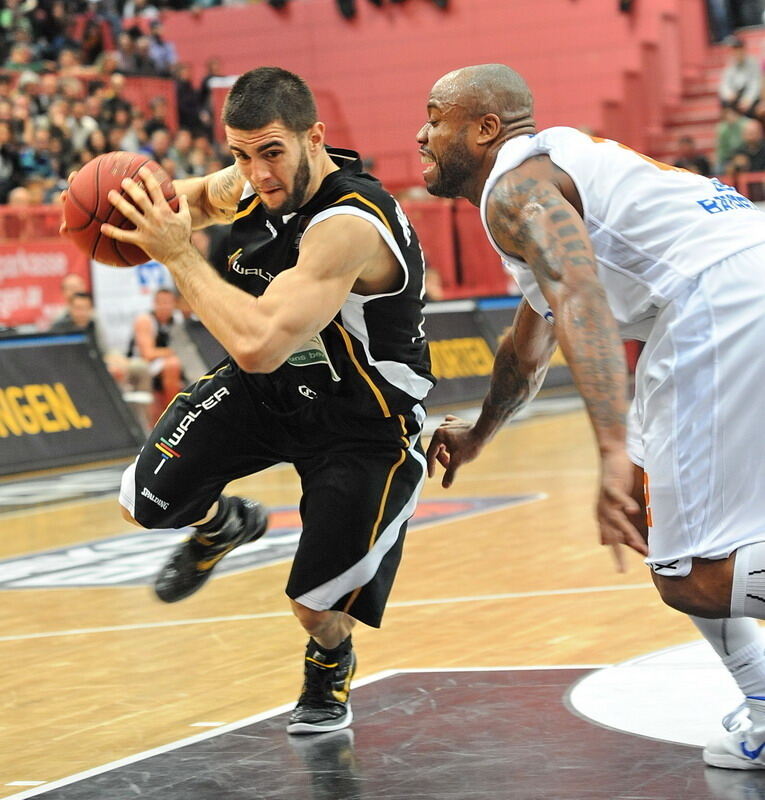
(254, 360)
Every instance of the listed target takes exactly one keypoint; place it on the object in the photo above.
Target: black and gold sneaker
(193, 561)
(324, 704)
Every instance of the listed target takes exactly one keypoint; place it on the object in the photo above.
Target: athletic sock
(336, 653)
(740, 645)
(748, 592)
(213, 526)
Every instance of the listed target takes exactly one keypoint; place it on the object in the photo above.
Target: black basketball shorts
(360, 476)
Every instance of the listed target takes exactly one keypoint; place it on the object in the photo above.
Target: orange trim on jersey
(357, 196)
(250, 208)
(659, 164)
(349, 347)
(647, 493)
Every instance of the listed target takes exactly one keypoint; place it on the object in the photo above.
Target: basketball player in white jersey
(607, 245)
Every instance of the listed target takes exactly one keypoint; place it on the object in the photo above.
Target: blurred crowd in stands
(63, 71)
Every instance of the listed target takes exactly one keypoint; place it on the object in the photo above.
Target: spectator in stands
(21, 120)
(46, 92)
(72, 283)
(144, 64)
(741, 80)
(79, 316)
(151, 342)
(135, 136)
(114, 99)
(181, 152)
(689, 157)
(750, 157)
(93, 44)
(720, 22)
(190, 111)
(19, 225)
(36, 159)
(96, 142)
(158, 119)
(10, 168)
(108, 63)
(214, 70)
(126, 53)
(70, 62)
(139, 13)
(158, 146)
(71, 89)
(162, 52)
(81, 125)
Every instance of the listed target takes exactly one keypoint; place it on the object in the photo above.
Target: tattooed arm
(213, 198)
(530, 216)
(520, 366)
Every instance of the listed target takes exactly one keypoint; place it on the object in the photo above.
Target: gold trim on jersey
(349, 347)
(383, 500)
(376, 209)
(250, 208)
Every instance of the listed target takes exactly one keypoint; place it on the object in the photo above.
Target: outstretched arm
(528, 215)
(519, 369)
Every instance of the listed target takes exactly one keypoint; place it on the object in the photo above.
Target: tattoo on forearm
(508, 392)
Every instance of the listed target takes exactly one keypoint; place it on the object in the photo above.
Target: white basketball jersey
(653, 227)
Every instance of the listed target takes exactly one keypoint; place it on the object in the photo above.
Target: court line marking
(480, 598)
(233, 726)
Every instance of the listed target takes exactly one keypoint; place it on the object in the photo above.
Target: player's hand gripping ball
(87, 206)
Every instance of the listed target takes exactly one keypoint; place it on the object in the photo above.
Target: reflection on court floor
(478, 734)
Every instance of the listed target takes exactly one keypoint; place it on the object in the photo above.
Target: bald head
(485, 89)
(472, 112)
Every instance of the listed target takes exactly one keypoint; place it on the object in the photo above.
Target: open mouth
(429, 163)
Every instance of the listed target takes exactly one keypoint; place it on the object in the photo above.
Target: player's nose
(422, 134)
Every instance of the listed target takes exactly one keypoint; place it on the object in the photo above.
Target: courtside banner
(59, 405)
(460, 355)
(495, 317)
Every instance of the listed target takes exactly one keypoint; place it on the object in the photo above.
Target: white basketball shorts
(697, 423)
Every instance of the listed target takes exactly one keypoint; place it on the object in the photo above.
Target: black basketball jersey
(373, 354)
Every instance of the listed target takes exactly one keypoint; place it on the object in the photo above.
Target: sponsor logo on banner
(134, 559)
(465, 357)
(38, 408)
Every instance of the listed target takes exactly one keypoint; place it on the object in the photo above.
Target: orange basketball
(87, 206)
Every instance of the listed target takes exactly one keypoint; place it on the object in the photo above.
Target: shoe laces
(317, 686)
(738, 719)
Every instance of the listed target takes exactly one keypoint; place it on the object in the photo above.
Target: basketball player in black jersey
(320, 311)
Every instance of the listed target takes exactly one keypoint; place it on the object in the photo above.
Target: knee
(693, 595)
(312, 621)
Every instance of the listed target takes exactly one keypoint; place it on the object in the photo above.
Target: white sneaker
(743, 744)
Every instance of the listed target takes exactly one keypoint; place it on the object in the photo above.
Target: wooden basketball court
(98, 672)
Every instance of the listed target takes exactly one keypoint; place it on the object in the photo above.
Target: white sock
(748, 592)
(739, 643)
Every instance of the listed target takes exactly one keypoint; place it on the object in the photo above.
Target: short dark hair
(267, 94)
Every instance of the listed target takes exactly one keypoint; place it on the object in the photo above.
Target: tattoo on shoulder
(224, 190)
(531, 218)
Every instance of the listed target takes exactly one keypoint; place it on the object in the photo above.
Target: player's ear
(489, 127)
(316, 137)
